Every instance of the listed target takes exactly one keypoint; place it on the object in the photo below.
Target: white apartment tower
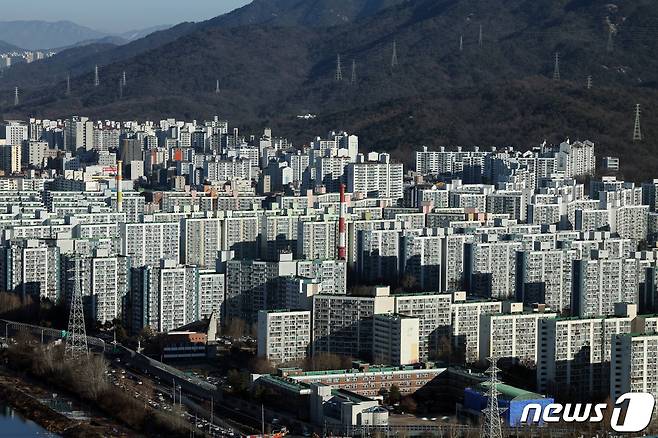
(433, 312)
(379, 179)
(395, 339)
(574, 354)
(284, 335)
(466, 324)
(148, 243)
(202, 241)
(634, 361)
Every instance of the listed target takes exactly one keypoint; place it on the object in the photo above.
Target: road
(162, 397)
(196, 395)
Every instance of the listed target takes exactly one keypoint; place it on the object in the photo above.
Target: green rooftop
(284, 383)
(513, 392)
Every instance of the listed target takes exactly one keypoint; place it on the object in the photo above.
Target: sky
(114, 16)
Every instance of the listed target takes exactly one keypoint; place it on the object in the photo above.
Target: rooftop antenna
(353, 79)
(637, 131)
(480, 37)
(123, 79)
(611, 42)
(217, 90)
(16, 99)
(394, 57)
(589, 82)
(76, 339)
(339, 69)
(68, 84)
(97, 80)
(492, 423)
(461, 43)
(556, 68)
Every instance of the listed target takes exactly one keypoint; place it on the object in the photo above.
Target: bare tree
(261, 365)
(235, 328)
(327, 361)
(409, 405)
(93, 376)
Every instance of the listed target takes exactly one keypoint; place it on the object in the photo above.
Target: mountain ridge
(44, 35)
(269, 73)
(6, 47)
(276, 13)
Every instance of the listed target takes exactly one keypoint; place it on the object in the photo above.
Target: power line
(76, 340)
(394, 56)
(353, 78)
(339, 69)
(492, 413)
(637, 130)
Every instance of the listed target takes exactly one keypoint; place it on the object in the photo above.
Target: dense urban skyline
(311, 218)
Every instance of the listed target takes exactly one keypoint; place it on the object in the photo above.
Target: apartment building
(492, 268)
(511, 335)
(378, 255)
(433, 312)
(342, 324)
(574, 353)
(421, 258)
(201, 241)
(376, 179)
(148, 243)
(368, 380)
(284, 335)
(31, 267)
(544, 275)
(634, 360)
(601, 282)
(395, 339)
(466, 324)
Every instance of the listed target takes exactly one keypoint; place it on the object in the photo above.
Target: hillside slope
(36, 34)
(288, 13)
(491, 90)
(6, 47)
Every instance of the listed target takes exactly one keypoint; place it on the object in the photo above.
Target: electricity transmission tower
(480, 37)
(123, 79)
(16, 99)
(97, 80)
(589, 82)
(68, 84)
(492, 421)
(461, 43)
(353, 78)
(637, 131)
(339, 69)
(394, 56)
(76, 340)
(120, 89)
(611, 42)
(217, 89)
(556, 68)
